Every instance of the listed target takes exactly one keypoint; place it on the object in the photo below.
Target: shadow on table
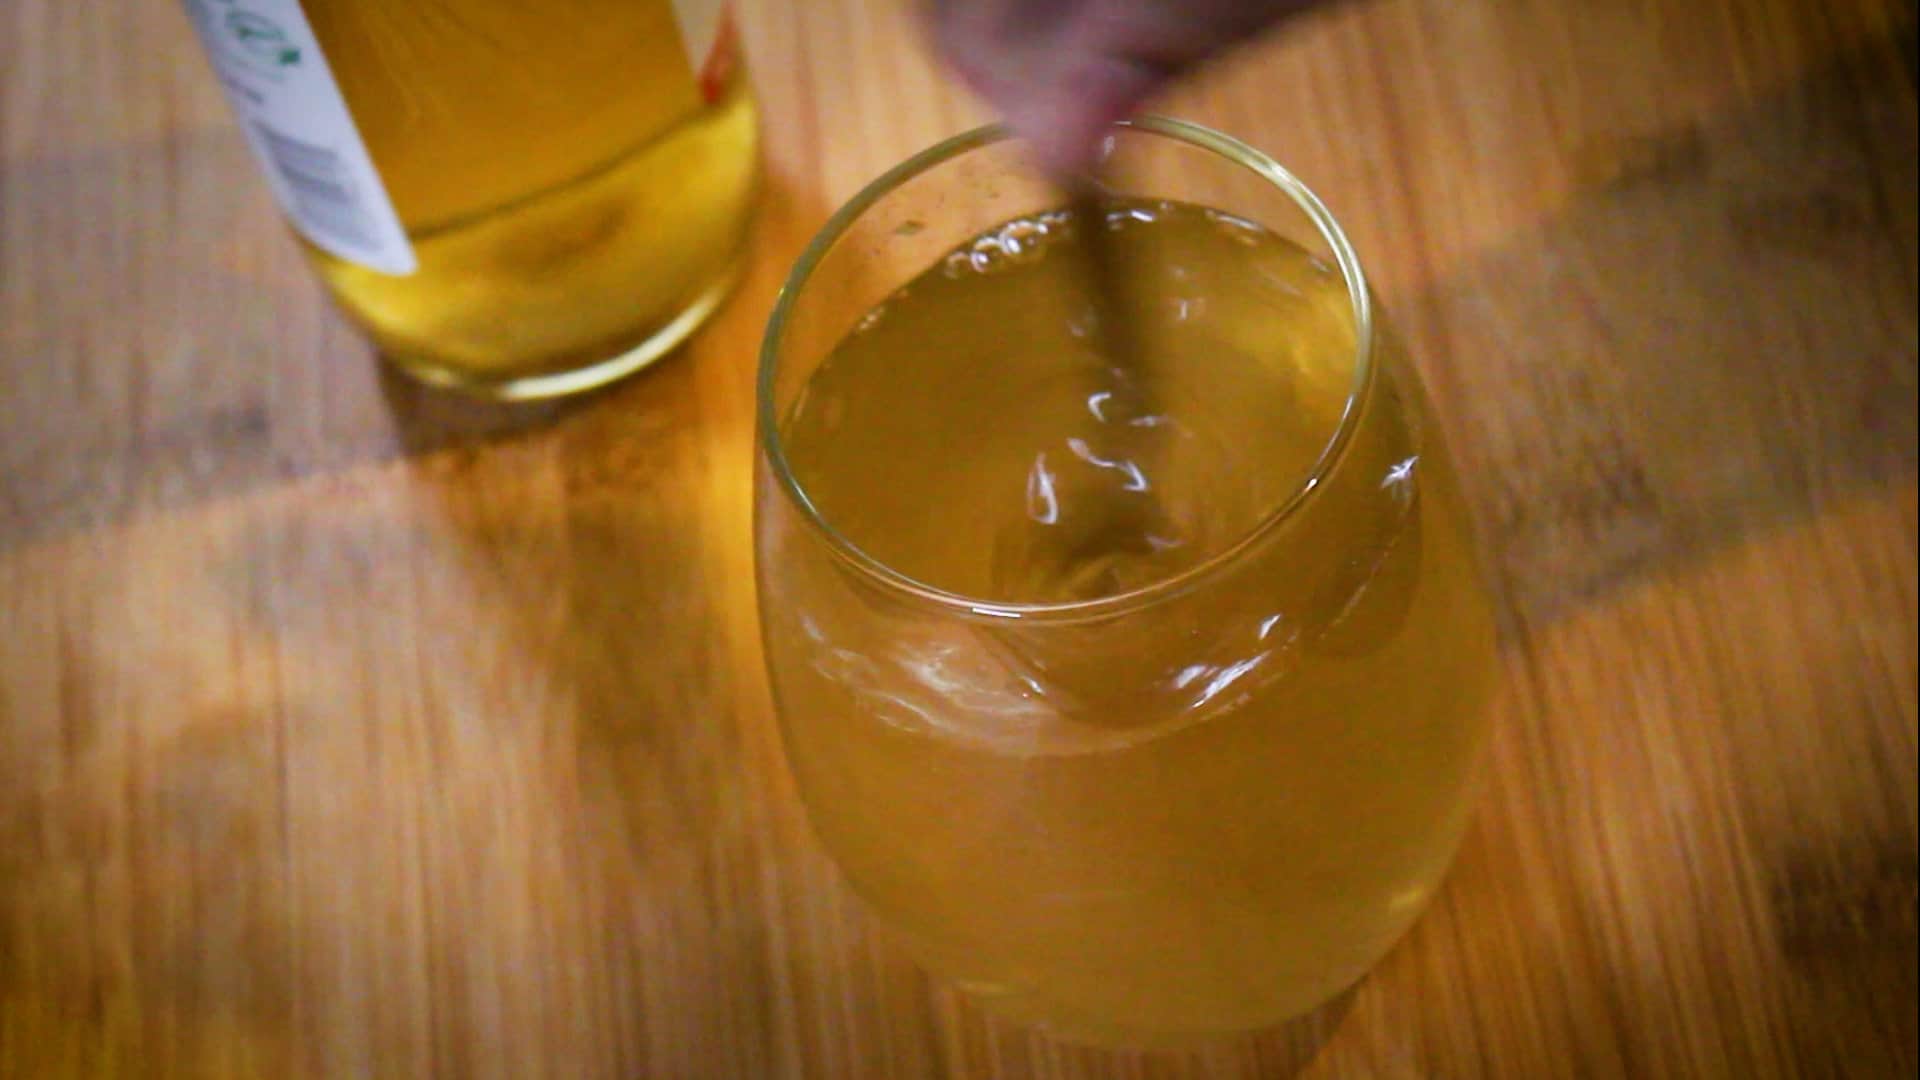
(1715, 350)
(1719, 340)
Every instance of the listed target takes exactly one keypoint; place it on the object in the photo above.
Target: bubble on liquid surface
(1017, 243)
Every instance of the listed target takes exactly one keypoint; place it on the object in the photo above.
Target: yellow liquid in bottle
(1201, 816)
(576, 194)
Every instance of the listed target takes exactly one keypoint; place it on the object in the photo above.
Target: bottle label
(293, 115)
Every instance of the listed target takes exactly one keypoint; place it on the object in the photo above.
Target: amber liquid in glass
(1203, 815)
(571, 186)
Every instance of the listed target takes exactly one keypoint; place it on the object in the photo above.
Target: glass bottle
(519, 200)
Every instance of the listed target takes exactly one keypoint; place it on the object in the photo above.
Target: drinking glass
(1199, 806)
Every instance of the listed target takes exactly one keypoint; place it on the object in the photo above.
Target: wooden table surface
(346, 730)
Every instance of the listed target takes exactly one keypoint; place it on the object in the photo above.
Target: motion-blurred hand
(1061, 71)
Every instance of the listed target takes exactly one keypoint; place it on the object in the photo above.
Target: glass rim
(899, 583)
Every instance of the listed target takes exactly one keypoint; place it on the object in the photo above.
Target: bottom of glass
(1297, 1008)
(1049, 1022)
(594, 370)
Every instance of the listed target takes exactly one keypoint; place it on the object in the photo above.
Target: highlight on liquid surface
(569, 189)
(972, 434)
(1201, 814)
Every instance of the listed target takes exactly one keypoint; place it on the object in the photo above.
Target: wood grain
(347, 730)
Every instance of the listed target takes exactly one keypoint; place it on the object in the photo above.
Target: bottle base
(591, 374)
